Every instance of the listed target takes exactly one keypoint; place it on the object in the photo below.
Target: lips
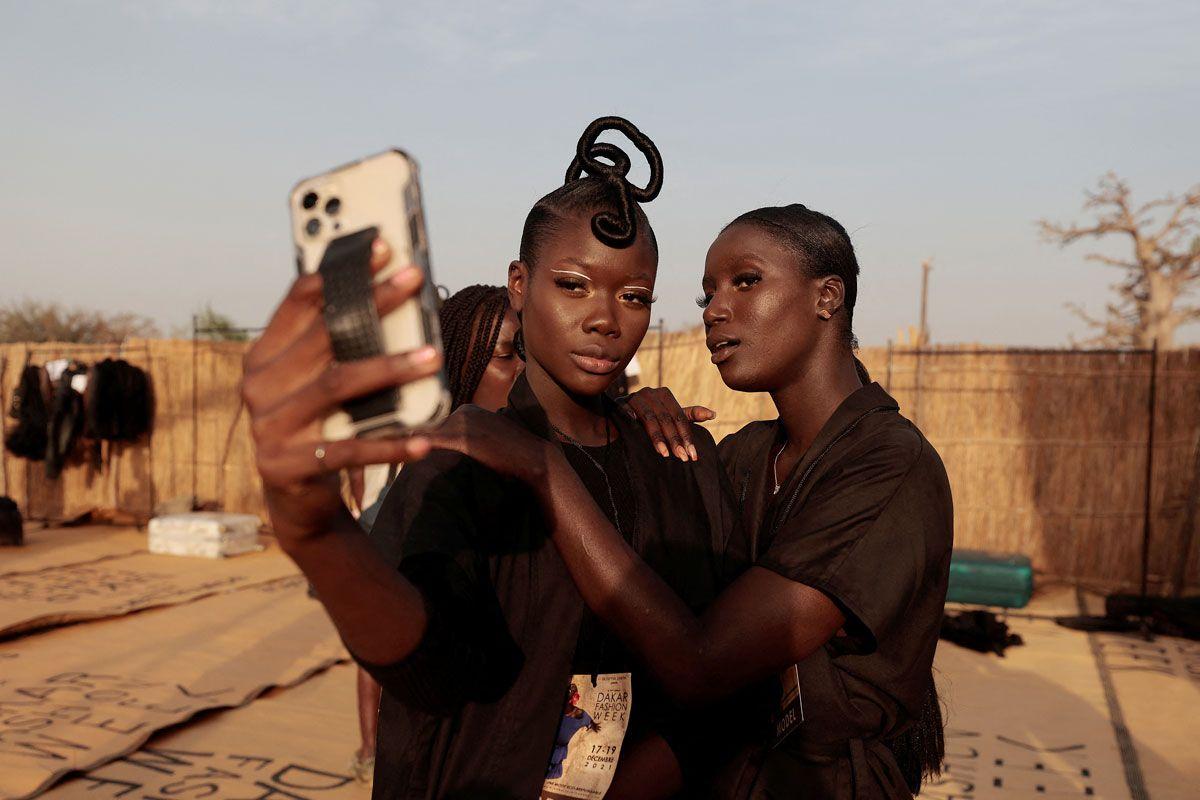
(592, 359)
(722, 347)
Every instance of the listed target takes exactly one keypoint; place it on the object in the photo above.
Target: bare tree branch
(1112, 262)
(1161, 267)
(1182, 205)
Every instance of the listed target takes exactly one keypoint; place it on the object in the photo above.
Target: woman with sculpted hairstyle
(468, 618)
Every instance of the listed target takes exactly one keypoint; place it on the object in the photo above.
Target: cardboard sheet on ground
(291, 744)
(1040, 722)
(114, 586)
(61, 547)
(75, 698)
(1157, 688)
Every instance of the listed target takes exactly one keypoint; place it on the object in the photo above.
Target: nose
(716, 311)
(602, 318)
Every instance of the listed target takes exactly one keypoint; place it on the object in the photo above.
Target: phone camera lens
(333, 206)
(309, 200)
(313, 226)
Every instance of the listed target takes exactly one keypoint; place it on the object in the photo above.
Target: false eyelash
(703, 300)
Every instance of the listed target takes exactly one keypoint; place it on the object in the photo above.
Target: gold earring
(824, 313)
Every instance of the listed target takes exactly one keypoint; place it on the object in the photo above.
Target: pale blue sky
(149, 146)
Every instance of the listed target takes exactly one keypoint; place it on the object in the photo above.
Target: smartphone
(335, 217)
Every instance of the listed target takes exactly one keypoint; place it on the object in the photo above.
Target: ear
(518, 282)
(831, 295)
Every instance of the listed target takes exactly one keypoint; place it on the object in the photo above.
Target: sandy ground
(1065, 715)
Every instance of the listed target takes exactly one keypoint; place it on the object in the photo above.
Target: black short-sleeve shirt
(473, 712)
(866, 518)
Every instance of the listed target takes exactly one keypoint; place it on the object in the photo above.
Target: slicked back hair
(821, 246)
(568, 204)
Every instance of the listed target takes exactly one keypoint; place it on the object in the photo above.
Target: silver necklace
(775, 468)
(603, 472)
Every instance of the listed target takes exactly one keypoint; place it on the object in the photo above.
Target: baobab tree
(1162, 268)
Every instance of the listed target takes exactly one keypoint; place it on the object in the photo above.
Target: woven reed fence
(1045, 450)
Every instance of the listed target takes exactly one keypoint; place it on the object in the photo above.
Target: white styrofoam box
(209, 534)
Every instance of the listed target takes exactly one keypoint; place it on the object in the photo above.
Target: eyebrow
(635, 286)
(571, 272)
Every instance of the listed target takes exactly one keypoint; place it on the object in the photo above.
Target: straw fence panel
(1045, 451)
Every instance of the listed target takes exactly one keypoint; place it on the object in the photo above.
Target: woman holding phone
(470, 621)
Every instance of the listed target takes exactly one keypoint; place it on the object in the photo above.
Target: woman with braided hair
(468, 617)
(478, 331)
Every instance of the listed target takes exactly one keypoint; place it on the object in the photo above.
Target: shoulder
(706, 445)
(888, 465)
(753, 439)
(439, 487)
(442, 470)
(884, 440)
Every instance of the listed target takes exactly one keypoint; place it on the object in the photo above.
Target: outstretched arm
(421, 629)
(760, 624)
(291, 381)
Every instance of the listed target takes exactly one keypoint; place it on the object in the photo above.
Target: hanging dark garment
(12, 533)
(119, 402)
(66, 421)
(30, 408)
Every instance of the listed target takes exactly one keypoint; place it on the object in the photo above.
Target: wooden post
(923, 334)
(662, 329)
(887, 381)
(195, 410)
(1147, 510)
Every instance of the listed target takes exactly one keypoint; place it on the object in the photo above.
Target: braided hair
(471, 321)
(821, 246)
(605, 191)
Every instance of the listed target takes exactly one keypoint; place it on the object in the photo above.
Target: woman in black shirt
(479, 329)
(469, 619)
(849, 513)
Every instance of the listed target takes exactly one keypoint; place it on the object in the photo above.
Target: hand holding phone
(292, 382)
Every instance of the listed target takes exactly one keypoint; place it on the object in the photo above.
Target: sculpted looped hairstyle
(821, 246)
(604, 191)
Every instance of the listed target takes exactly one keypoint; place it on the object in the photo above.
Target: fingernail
(423, 355)
(681, 453)
(692, 451)
(662, 450)
(378, 247)
(405, 277)
(419, 446)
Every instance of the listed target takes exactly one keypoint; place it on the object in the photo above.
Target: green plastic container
(990, 579)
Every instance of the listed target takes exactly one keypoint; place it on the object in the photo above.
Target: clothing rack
(121, 347)
(77, 351)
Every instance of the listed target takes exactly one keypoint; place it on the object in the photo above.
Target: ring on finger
(319, 453)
